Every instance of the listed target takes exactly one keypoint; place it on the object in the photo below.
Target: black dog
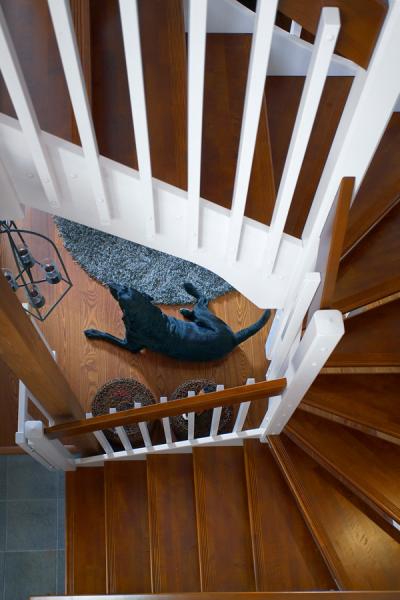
(202, 337)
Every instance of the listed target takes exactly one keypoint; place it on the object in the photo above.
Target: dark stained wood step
(225, 551)
(227, 58)
(368, 466)
(380, 188)
(368, 402)
(371, 339)
(283, 97)
(172, 518)
(285, 554)
(86, 565)
(127, 527)
(372, 269)
(164, 66)
(361, 550)
(382, 595)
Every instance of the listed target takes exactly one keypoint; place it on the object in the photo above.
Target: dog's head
(126, 295)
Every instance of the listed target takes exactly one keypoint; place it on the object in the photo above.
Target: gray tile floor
(32, 552)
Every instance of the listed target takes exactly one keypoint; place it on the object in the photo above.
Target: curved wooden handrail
(228, 397)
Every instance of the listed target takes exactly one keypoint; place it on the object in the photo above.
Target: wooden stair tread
(127, 528)
(225, 551)
(371, 338)
(369, 466)
(227, 57)
(285, 554)
(368, 402)
(283, 95)
(380, 186)
(164, 71)
(371, 270)
(86, 566)
(172, 518)
(361, 551)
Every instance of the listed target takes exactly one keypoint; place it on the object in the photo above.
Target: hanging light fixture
(33, 275)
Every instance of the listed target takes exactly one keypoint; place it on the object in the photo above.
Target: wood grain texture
(371, 339)
(372, 269)
(127, 527)
(283, 98)
(365, 402)
(88, 365)
(25, 354)
(86, 568)
(339, 225)
(380, 188)
(32, 33)
(162, 32)
(368, 466)
(366, 595)
(153, 412)
(361, 551)
(8, 407)
(172, 518)
(361, 22)
(285, 554)
(227, 57)
(226, 562)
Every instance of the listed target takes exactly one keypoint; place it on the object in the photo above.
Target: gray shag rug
(110, 259)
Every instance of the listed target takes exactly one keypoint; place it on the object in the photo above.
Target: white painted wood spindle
(196, 62)
(166, 424)
(190, 418)
(19, 94)
(257, 72)
(133, 58)
(101, 438)
(144, 430)
(243, 410)
(327, 33)
(216, 416)
(120, 431)
(65, 34)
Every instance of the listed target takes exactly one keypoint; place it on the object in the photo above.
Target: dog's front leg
(102, 335)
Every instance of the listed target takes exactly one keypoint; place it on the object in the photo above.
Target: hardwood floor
(88, 365)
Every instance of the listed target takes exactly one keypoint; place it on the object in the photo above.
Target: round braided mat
(122, 395)
(202, 422)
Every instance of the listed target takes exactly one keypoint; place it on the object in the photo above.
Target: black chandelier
(33, 275)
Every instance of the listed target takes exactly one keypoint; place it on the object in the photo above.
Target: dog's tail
(244, 334)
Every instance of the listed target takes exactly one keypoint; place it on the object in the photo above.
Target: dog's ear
(114, 289)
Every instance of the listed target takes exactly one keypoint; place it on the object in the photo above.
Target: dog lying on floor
(202, 336)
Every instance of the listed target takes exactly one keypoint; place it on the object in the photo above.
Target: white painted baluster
(295, 29)
(166, 424)
(101, 438)
(190, 418)
(286, 335)
(133, 57)
(144, 429)
(243, 410)
(216, 416)
(120, 431)
(196, 61)
(65, 34)
(260, 49)
(325, 41)
(17, 88)
(321, 336)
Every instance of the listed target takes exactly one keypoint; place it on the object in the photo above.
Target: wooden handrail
(235, 395)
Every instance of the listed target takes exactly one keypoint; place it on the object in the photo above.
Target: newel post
(321, 336)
